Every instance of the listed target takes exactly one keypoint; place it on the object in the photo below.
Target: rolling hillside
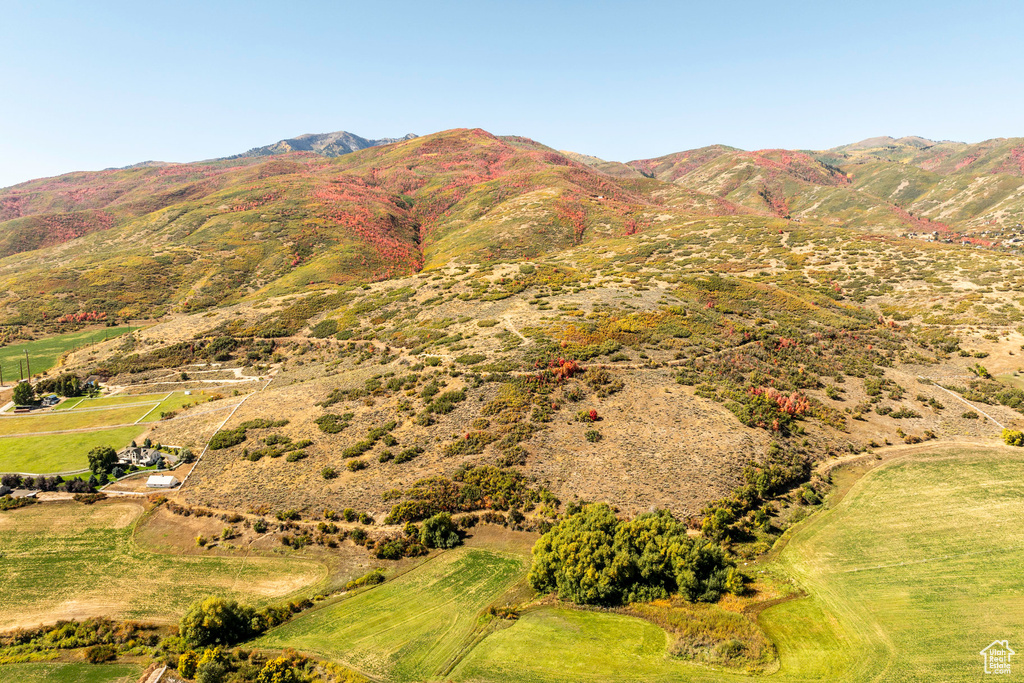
(972, 193)
(185, 237)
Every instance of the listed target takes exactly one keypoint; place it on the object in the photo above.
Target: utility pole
(27, 366)
(21, 369)
(1, 375)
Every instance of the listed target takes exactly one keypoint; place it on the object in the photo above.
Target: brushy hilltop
(460, 320)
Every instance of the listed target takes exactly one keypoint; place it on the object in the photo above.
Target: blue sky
(92, 85)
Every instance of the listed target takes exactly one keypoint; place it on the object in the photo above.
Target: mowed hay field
(66, 560)
(60, 452)
(410, 628)
(28, 444)
(920, 565)
(44, 353)
(61, 672)
(909, 577)
(72, 419)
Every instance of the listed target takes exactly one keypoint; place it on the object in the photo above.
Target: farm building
(138, 456)
(50, 400)
(161, 482)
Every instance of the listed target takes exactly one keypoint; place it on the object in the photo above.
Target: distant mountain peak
(326, 144)
(883, 141)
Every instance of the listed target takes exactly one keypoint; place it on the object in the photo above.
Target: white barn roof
(162, 482)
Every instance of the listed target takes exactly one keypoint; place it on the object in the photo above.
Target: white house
(161, 482)
(138, 456)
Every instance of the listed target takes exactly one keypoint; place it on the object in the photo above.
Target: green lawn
(566, 645)
(50, 453)
(108, 401)
(60, 452)
(43, 353)
(410, 628)
(155, 403)
(61, 672)
(62, 559)
(73, 419)
(909, 577)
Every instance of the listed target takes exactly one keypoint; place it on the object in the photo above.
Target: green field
(72, 419)
(61, 672)
(155, 403)
(909, 577)
(567, 645)
(48, 453)
(108, 401)
(60, 452)
(44, 353)
(412, 627)
(65, 559)
(920, 565)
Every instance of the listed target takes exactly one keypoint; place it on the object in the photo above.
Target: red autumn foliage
(85, 317)
(794, 404)
(572, 213)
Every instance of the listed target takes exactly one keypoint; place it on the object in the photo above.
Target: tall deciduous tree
(439, 532)
(216, 621)
(23, 393)
(102, 460)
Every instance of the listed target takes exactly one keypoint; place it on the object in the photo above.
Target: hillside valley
(349, 338)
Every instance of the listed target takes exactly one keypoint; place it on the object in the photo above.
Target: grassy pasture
(919, 564)
(410, 628)
(909, 577)
(568, 645)
(44, 353)
(60, 452)
(108, 401)
(72, 419)
(63, 560)
(46, 453)
(64, 672)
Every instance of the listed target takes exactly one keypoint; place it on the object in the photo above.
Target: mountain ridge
(325, 144)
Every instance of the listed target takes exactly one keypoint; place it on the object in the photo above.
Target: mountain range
(322, 210)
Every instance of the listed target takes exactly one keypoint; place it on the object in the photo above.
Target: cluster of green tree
(65, 384)
(217, 621)
(55, 483)
(592, 557)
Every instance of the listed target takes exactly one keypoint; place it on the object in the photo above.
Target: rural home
(50, 400)
(161, 482)
(138, 456)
